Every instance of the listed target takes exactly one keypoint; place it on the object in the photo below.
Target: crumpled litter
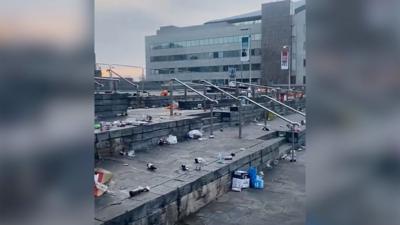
(195, 134)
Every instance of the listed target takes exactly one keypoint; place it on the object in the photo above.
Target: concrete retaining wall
(138, 138)
(191, 193)
(111, 105)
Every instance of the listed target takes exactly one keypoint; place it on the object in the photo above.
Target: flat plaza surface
(281, 202)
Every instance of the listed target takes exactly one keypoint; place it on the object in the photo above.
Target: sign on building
(245, 50)
(285, 59)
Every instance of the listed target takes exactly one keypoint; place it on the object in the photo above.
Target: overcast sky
(121, 25)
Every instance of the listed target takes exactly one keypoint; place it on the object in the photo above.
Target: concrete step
(207, 120)
(270, 135)
(216, 126)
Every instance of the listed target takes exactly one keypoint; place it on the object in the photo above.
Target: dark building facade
(276, 33)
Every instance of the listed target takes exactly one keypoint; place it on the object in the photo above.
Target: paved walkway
(282, 202)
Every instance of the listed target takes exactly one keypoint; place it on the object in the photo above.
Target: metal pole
(239, 111)
(185, 93)
(290, 66)
(292, 153)
(265, 120)
(171, 110)
(287, 106)
(205, 100)
(211, 121)
(142, 80)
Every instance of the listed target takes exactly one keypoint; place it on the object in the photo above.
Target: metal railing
(293, 124)
(291, 108)
(100, 84)
(219, 89)
(123, 78)
(112, 81)
(269, 110)
(196, 91)
(213, 101)
(257, 85)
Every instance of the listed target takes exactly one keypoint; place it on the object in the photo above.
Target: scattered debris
(162, 141)
(228, 157)
(269, 166)
(240, 180)
(233, 154)
(125, 164)
(265, 128)
(101, 178)
(199, 160)
(242, 149)
(148, 118)
(131, 153)
(138, 190)
(199, 163)
(195, 134)
(151, 167)
(211, 136)
(184, 168)
(303, 122)
(172, 140)
(221, 129)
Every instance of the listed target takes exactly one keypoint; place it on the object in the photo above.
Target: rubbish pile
(245, 179)
(105, 126)
(170, 140)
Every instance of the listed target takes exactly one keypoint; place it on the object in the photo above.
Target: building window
(304, 80)
(202, 42)
(304, 62)
(215, 55)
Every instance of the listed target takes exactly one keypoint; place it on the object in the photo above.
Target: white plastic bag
(171, 139)
(195, 134)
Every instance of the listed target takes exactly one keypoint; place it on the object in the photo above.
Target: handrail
(100, 84)
(297, 111)
(128, 81)
(273, 88)
(199, 93)
(276, 114)
(106, 78)
(219, 89)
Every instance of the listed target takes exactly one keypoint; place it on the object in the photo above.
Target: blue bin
(253, 176)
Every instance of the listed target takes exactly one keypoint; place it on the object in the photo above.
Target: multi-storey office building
(210, 50)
